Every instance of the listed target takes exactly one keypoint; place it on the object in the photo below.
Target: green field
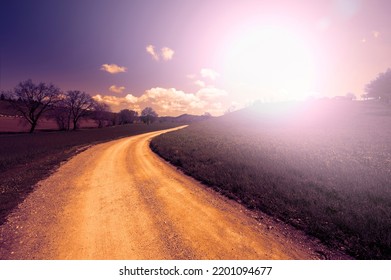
(27, 158)
(324, 167)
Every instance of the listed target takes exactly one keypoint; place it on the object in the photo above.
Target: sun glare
(271, 61)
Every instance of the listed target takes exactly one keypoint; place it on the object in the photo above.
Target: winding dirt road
(118, 200)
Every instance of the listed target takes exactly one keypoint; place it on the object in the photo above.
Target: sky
(196, 56)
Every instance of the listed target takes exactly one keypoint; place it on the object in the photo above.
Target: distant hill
(185, 118)
(311, 113)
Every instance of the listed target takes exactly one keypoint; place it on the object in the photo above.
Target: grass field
(324, 167)
(27, 158)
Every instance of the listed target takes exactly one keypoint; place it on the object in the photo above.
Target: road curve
(118, 200)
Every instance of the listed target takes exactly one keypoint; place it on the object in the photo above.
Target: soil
(118, 200)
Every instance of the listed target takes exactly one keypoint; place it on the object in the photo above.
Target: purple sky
(195, 56)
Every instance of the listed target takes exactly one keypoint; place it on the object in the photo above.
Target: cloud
(166, 100)
(116, 89)
(113, 68)
(151, 50)
(209, 73)
(111, 100)
(131, 98)
(200, 83)
(169, 101)
(118, 103)
(204, 73)
(167, 53)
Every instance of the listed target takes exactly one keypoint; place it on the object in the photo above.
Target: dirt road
(118, 200)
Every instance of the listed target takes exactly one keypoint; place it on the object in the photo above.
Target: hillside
(324, 167)
(185, 118)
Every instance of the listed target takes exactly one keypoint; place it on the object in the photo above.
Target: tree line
(33, 101)
(380, 87)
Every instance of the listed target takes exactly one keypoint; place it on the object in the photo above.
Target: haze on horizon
(195, 56)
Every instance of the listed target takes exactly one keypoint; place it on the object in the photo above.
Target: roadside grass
(26, 159)
(323, 167)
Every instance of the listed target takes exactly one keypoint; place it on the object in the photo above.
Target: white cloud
(116, 89)
(217, 106)
(151, 50)
(113, 68)
(167, 53)
(170, 101)
(110, 100)
(131, 98)
(118, 103)
(200, 83)
(209, 73)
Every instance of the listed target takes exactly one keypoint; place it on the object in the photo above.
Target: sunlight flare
(271, 60)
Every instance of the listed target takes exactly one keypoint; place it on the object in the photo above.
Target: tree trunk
(75, 125)
(32, 128)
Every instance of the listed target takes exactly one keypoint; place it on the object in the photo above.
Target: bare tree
(114, 119)
(32, 101)
(148, 115)
(127, 116)
(61, 114)
(79, 104)
(101, 113)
